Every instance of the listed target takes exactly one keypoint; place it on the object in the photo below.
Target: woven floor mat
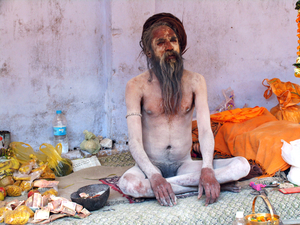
(189, 210)
(118, 160)
(192, 211)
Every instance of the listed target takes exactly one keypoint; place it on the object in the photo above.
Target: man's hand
(209, 183)
(162, 190)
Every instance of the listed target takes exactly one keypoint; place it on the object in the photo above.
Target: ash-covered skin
(160, 140)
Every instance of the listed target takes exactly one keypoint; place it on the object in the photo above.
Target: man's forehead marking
(163, 39)
(161, 32)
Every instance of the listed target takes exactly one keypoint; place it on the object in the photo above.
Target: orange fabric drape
(288, 96)
(237, 115)
(287, 93)
(258, 140)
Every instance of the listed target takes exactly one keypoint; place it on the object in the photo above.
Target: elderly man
(160, 104)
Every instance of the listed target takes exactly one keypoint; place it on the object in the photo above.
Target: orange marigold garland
(297, 64)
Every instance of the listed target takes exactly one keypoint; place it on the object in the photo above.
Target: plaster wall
(78, 55)
(53, 56)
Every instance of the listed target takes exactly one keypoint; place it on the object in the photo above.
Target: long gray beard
(169, 74)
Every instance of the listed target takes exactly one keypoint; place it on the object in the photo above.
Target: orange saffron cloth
(257, 137)
(234, 115)
(237, 115)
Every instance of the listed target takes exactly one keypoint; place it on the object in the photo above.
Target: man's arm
(208, 181)
(133, 98)
(161, 188)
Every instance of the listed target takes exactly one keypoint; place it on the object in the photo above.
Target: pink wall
(78, 55)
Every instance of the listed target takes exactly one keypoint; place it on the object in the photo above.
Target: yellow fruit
(2, 197)
(4, 165)
(9, 165)
(15, 164)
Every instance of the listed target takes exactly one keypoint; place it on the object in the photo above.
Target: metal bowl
(92, 203)
(275, 218)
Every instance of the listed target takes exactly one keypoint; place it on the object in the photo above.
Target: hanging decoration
(297, 64)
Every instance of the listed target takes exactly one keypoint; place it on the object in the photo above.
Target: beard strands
(171, 72)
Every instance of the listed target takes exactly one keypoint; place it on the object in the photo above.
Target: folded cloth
(258, 140)
(217, 120)
(237, 115)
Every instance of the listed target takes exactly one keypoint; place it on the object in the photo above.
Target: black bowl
(95, 203)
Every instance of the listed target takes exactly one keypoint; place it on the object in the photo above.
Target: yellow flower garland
(297, 64)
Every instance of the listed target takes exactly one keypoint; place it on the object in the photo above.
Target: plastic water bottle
(60, 131)
(239, 218)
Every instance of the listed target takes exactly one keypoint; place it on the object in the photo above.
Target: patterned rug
(192, 211)
(113, 183)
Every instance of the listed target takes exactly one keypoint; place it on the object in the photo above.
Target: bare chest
(152, 103)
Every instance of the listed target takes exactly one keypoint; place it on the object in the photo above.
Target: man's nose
(168, 46)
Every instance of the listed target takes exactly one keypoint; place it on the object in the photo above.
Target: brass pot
(275, 218)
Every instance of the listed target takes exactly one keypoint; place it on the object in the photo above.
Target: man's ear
(149, 54)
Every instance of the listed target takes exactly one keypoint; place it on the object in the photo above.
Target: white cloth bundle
(291, 154)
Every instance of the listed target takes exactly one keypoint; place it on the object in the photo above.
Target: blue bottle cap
(58, 111)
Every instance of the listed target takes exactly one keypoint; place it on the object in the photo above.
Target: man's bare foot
(231, 186)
